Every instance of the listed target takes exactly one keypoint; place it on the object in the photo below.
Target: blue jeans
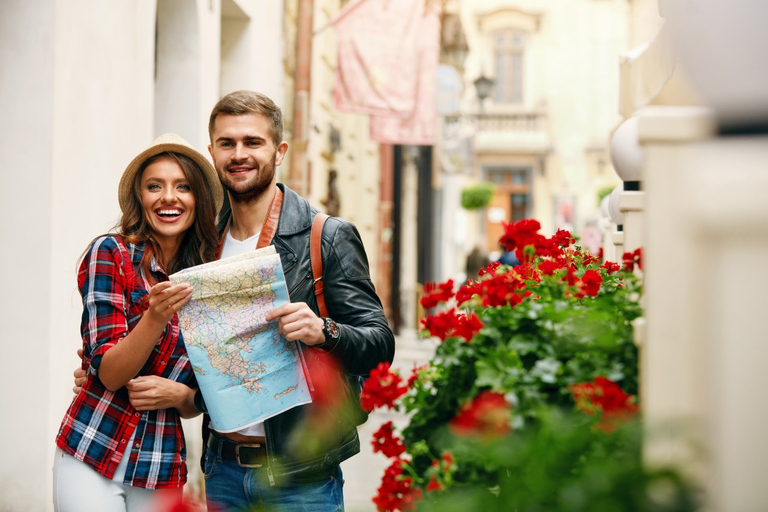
(229, 487)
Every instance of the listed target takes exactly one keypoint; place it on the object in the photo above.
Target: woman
(119, 448)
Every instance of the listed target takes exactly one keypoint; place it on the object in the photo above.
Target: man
(291, 461)
(245, 130)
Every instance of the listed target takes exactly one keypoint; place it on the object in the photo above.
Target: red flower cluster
(610, 267)
(434, 294)
(386, 443)
(525, 233)
(434, 485)
(452, 323)
(498, 289)
(521, 234)
(396, 491)
(485, 416)
(633, 258)
(590, 282)
(606, 397)
(382, 388)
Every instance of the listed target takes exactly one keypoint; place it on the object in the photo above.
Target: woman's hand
(124, 360)
(151, 392)
(166, 298)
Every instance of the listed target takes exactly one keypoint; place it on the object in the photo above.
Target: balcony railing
(462, 125)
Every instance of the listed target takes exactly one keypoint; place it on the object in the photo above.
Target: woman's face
(167, 201)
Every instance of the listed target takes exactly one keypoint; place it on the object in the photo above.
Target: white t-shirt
(233, 247)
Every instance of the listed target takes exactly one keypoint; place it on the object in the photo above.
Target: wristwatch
(330, 329)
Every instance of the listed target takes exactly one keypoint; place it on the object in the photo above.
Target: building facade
(86, 86)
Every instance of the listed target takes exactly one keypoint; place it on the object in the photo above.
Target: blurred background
(427, 123)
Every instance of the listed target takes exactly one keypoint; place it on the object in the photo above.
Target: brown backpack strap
(269, 228)
(316, 257)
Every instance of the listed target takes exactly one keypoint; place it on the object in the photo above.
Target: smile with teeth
(169, 212)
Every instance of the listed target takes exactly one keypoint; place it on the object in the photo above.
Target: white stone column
(707, 248)
(632, 207)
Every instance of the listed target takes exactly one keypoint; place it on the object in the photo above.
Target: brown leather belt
(247, 455)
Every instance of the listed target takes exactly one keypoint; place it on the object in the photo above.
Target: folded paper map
(246, 370)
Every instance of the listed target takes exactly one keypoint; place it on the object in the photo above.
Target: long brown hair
(200, 241)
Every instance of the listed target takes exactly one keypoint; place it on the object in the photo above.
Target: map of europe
(246, 370)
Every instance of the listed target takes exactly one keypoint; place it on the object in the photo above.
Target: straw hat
(169, 142)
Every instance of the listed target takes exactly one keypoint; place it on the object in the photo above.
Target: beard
(245, 192)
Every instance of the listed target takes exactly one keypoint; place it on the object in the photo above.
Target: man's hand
(80, 379)
(78, 374)
(297, 322)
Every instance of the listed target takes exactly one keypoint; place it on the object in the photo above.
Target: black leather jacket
(365, 337)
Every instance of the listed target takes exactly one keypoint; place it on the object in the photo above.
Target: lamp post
(483, 86)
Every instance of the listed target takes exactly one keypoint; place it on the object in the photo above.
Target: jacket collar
(296, 215)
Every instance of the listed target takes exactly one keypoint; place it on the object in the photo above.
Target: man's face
(245, 155)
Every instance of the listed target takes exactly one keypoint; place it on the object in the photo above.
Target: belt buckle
(247, 445)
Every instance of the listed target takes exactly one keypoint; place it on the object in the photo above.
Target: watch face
(331, 329)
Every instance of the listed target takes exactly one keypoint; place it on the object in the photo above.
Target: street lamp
(483, 86)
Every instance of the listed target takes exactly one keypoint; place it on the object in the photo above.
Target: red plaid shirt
(99, 423)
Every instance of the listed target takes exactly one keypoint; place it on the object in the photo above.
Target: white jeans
(78, 487)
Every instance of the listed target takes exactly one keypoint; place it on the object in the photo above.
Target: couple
(120, 445)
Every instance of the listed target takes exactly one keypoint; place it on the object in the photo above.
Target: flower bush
(529, 402)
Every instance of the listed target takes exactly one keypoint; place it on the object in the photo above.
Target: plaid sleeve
(101, 283)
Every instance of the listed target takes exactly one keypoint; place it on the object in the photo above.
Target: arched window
(509, 49)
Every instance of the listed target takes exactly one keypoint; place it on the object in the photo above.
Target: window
(508, 50)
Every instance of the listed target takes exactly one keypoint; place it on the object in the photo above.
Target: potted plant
(477, 196)
(529, 402)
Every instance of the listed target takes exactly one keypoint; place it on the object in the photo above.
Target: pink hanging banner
(378, 62)
(419, 127)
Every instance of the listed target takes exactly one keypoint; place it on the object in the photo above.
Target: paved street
(362, 473)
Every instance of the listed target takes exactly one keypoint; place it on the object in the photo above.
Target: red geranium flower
(452, 323)
(563, 238)
(382, 388)
(501, 290)
(549, 267)
(386, 443)
(490, 268)
(590, 282)
(435, 293)
(521, 234)
(467, 326)
(440, 324)
(433, 484)
(633, 258)
(610, 267)
(606, 397)
(485, 416)
(396, 491)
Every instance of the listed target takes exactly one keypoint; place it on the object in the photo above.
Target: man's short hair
(240, 103)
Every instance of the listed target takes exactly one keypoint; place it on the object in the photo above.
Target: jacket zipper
(270, 475)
